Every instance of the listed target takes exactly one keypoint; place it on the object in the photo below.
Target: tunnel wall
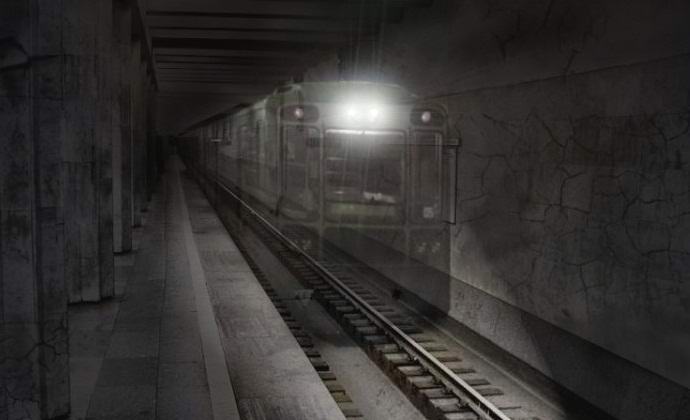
(572, 246)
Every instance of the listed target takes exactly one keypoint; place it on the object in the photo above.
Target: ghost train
(367, 168)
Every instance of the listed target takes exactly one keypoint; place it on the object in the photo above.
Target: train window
(426, 182)
(364, 176)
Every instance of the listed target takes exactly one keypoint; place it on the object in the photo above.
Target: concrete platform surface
(190, 334)
(271, 375)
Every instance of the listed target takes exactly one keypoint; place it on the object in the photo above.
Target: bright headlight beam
(355, 112)
(351, 112)
(374, 113)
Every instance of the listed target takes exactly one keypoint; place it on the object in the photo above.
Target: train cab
(366, 162)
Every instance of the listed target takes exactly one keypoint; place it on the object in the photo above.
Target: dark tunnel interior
(515, 173)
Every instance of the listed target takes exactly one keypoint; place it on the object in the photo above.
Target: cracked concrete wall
(34, 371)
(572, 248)
(57, 125)
(579, 216)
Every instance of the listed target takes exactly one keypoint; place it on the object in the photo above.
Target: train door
(427, 233)
(426, 178)
(249, 156)
(300, 172)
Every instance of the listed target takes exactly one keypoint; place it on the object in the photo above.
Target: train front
(366, 165)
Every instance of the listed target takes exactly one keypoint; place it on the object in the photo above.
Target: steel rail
(462, 390)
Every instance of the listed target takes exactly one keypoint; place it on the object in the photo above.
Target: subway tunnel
(361, 209)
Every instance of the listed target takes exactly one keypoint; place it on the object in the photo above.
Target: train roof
(335, 91)
(322, 92)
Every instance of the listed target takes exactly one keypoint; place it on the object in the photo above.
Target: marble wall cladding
(573, 194)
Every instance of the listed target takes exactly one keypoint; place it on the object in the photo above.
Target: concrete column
(138, 113)
(87, 151)
(34, 370)
(142, 146)
(122, 121)
(152, 154)
(81, 233)
(104, 146)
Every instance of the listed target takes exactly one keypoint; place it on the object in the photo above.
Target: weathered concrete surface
(56, 180)
(137, 75)
(139, 356)
(104, 146)
(572, 247)
(122, 126)
(87, 44)
(271, 376)
(148, 365)
(33, 302)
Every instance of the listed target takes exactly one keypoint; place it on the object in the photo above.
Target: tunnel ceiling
(236, 51)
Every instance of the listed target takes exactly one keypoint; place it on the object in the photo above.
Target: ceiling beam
(240, 15)
(199, 27)
(273, 36)
(236, 45)
(235, 89)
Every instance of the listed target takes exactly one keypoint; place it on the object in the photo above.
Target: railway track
(436, 380)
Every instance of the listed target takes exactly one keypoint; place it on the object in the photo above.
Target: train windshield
(364, 175)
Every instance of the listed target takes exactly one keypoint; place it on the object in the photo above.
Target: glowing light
(374, 114)
(426, 117)
(359, 113)
(299, 113)
(351, 112)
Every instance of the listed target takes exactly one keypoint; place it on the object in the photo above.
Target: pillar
(137, 72)
(122, 122)
(104, 146)
(87, 152)
(34, 361)
(152, 154)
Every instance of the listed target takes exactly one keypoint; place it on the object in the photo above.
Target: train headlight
(357, 114)
(374, 113)
(427, 117)
(351, 112)
(300, 113)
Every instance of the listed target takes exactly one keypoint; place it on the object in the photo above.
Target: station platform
(191, 333)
